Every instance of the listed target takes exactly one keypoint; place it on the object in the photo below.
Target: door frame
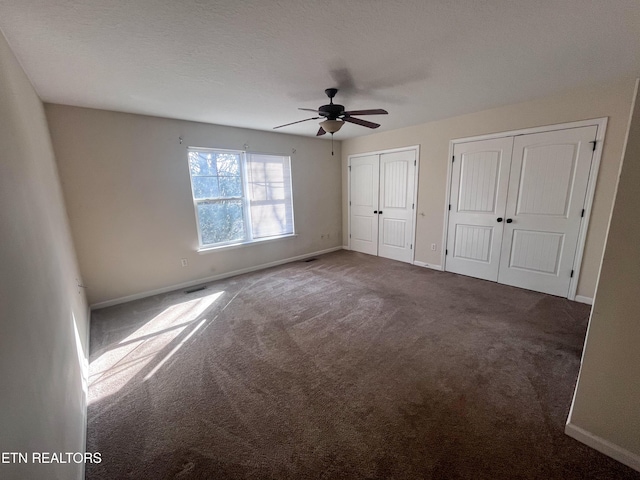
(414, 148)
(601, 124)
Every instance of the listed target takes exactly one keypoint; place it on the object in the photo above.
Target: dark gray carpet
(347, 367)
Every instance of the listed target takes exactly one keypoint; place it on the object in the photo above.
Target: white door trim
(601, 124)
(416, 149)
(541, 129)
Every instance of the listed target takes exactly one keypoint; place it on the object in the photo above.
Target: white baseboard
(612, 450)
(191, 283)
(427, 265)
(583, 299)
(346, 247)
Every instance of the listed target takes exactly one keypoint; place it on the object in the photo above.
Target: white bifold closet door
(365, 174)
(480, 178)
(516, 208)
(381, 204)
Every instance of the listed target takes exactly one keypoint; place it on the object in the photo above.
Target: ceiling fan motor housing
(331, 111)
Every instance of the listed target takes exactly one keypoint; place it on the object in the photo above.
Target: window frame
(246, 201)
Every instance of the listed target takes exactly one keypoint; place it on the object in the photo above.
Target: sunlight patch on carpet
(120, 364)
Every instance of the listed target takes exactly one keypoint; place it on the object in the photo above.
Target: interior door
(549, 176)
(365, 174)
(479, 183)
(397, 177)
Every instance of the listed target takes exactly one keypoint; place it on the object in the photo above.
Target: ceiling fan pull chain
(332, 144)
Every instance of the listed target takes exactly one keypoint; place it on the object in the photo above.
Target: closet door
(396, 209)
(479, 183)
(364, 178)
(549, 176)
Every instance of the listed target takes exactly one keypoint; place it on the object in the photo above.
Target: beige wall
(128, 193)
(607, 398)
(611, 100)
(43, 313)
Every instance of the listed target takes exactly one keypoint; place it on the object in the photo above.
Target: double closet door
(516, 208)
(381, 204)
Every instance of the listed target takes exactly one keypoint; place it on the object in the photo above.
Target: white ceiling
(252, 63)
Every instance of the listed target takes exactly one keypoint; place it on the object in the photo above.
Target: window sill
(204, 250)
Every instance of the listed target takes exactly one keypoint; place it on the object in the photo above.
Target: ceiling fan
(335, 116)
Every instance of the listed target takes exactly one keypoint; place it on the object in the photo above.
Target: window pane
(228, 164)
(202, 163)
(221, 221)
(269, 190)
(276, 191)
(205, 187)
(269, 219)
(230, 187)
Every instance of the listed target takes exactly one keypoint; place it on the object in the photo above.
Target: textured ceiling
(252, 63)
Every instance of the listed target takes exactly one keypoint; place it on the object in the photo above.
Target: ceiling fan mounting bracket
(331, 92)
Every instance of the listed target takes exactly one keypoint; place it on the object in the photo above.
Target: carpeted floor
(346, 367)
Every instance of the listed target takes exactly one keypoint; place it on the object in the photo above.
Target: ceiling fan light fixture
(331, 126)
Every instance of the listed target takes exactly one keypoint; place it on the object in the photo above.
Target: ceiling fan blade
(299, 121)
(320, 132)
(309, 110)
(374, 111)
(359, 121)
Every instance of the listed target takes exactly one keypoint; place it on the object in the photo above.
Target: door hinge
(594, 142)
(582, 214)
(411, 247)
(449, 206)
(349, 235)
(413, 205)
(571, 276)
(349, 202)
(349, 167)
(446, 252)
(453, 158)
(414, 163)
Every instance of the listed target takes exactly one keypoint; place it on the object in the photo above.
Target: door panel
(364, 201)
(394, 232)
(549, 176)
(479, 182)
(473, 242)
(536, 251)
(549, 166)
(397, 176)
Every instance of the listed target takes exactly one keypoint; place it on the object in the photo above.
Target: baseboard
(604, 446)
(346, 247)
(583, 299)
(171, 288)
(427, 265)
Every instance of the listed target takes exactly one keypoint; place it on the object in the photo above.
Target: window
(240, 197)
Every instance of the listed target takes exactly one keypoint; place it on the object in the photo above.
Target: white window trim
(231, 246)
(204, 249)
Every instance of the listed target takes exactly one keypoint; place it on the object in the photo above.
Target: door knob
(375, 211)
(509, 220)
(499, 219)
(380, 212)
